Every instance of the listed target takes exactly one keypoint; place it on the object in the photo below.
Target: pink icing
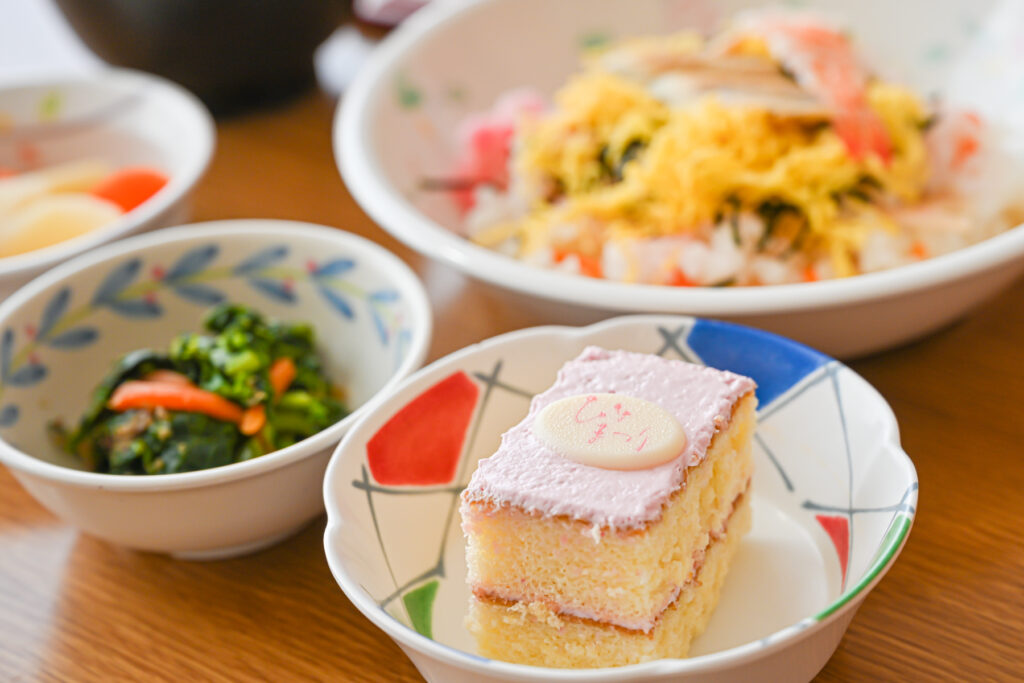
(525, 473)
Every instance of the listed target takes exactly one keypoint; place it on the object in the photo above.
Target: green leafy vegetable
(231, 360)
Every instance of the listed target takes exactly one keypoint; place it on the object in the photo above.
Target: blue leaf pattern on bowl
(119, 278)
(337, 301)
(55, 308)
(125, 292)
(379, 324)
(262, 259)
(334, 268)
(26, 375)
(200, 294)
(135, 308)
(191, 262)
(382, 296)
(74, 338)
(274, 289)
(119, 295)
(8, 415)
(6, 342)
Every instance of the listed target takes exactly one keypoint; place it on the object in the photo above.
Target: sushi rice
(738, 160)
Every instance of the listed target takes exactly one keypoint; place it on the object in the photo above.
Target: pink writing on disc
(613, 431)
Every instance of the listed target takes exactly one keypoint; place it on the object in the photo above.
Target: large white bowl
(833, 497)
(60, 333)
(397, 126)
(123, 117)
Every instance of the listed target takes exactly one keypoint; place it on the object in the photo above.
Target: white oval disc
(613, 431)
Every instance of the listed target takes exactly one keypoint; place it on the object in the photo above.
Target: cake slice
(577, 564)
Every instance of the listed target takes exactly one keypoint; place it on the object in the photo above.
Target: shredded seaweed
(734, 205)
(771, 211)
(613, 168)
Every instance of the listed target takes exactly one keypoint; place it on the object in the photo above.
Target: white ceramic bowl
(833, 499)
(115, 115)
(60, 333)
(397, 126)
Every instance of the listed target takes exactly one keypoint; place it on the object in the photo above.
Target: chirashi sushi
(766, 154)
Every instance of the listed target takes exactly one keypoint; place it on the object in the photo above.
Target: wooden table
(73, 608)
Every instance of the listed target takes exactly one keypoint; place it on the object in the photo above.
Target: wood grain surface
(73, 608)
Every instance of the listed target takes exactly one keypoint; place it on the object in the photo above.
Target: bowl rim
(402, 275)
(888, 549)
(178, 185)
(354, 137)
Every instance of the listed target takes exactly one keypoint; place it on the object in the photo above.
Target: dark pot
(231, 53)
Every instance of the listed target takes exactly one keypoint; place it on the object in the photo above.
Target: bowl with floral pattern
(833, 500)
(60, 334)
(62, 135)
(402, 127)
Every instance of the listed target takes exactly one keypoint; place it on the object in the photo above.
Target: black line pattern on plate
(674, 341)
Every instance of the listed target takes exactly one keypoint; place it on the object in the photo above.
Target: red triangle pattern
(421, 444)
(838, 529)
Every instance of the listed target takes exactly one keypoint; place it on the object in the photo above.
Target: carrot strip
(589, 266)
(253, 419)
(129, 187)
(168, 377)
(966, 146)
(677, 278)
(143, 394)
(282, 373)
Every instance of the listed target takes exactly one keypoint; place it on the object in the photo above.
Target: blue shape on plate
(192, 262)
(774, 362)
(8, 415)
(55, 308)
(334, 268)
(273, 289)
(74, 338)
(200, 294)
(119, 278)
(262, 259)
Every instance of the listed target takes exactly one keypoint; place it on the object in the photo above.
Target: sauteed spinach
(245, 387)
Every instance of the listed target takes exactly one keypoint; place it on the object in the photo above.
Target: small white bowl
(833, 497)
(123, 117)
(397, 126)
(60, 333)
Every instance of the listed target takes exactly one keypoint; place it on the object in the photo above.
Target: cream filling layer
(645, 625)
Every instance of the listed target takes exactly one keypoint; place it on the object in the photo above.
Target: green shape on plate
(594, 40)
(419, 604)
(891, 542)
(456, 93)
(938, 52)
(50, 105)
(409, 96)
